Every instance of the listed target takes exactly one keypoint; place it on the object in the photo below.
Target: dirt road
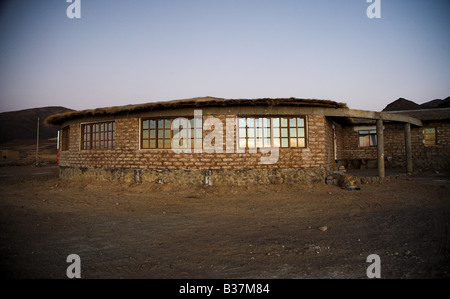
(163, 231)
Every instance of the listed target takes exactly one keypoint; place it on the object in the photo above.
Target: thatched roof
(59, 119)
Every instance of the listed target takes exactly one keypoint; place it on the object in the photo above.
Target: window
(64, 139)
(98, 135)
(158, 133)
(367, 138)
(271, 132)
(429, 136)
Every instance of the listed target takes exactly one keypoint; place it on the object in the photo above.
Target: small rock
(323, 228)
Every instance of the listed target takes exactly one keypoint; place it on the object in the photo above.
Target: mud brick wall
(424, 157)
(128, 155)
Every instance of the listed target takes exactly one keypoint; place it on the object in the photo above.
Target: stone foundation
(198, 177)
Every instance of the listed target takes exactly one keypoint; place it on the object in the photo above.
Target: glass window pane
(152, 124)
(167, 123)
(276, 132)
(153, 143)
(301, 132)
(167, 133)
(275, 122)
(373, 140)
(160, 123)
(251, 132)
(284, 132)
(259, 142)
(267, 142)
(242, 132)
(152, 133)
(259, 132)
(266, 122)
(300, 122)
(267, 132)
(145, 144)
(160, 143)
(250, 122)
(198, 123)
(242, 143)
(293, 122)
(284, 142)
(145, 134)
(276, 142)
(301, 142)
(284, 122)
(293, 142)
(242, 122)
(251, 143)
(160, 133)
(293, 132)
(167, 143)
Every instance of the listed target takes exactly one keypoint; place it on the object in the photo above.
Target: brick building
(222, 141)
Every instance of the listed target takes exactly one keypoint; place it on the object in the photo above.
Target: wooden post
(380, 148)
(37, 143)
(409, 165)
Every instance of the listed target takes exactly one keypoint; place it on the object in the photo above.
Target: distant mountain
(403, 104)
(22, 125)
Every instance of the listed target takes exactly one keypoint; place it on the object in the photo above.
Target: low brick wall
(198, 177)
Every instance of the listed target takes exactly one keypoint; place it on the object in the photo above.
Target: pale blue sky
(128, 52)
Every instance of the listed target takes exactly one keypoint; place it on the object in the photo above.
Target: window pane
(145, 124)
(242, 122)
(251, 132)
(167, 133)
(144, 143)
(242, 143)
(293, 142)
(300, 122)
(145, 134)
(293, 132)
(267, 132)
(160, 143)
(160, 124)
(250, 122)
(292, 122)
(301, 132)
(284, 132)
(267, 142)
(259, 142)
(167, 143)
(276, 142)
(152, 124)
(242, 132)
(301, 142)
(258, 122)
(284, 142)
(275, 122)
(251, 143)
(364, 140)
(259, 132)
(266, 122)
(160, 133)
(276, 132)
(283, 122)
(373, 140)
(167, 123)
(152, 133)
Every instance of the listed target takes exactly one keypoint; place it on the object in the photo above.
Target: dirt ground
(163, 231)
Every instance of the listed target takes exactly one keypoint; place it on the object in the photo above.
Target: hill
(404, 104)
(21, 126)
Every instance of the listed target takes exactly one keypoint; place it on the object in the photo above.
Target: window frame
(64, 138)
(370, 132)
(101, 134)
(142, 139)
(425, 134)
(273, 129)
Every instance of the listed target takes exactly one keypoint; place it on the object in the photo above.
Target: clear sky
(135, 51)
